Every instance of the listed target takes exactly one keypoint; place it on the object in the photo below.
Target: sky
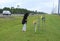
(39, 5)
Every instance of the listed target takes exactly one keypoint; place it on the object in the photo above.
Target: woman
(24, 21)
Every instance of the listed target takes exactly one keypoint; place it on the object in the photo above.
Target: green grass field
(11, 29)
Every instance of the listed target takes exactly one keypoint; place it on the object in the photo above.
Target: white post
(59, 7)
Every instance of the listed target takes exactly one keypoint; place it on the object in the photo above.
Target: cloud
(39, 5)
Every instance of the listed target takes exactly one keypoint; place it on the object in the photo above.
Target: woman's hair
(26, 15)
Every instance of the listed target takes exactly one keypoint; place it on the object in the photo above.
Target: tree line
(19, 10)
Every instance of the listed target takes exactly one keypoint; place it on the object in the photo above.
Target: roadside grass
(11, 29)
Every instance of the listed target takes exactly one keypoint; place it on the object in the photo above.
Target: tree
(1, 10)
(7, 8)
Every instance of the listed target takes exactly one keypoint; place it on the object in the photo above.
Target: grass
(11, 29)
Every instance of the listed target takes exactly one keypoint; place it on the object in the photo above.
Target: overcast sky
(39, 5)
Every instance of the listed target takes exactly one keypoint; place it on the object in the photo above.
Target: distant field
(11, 29)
